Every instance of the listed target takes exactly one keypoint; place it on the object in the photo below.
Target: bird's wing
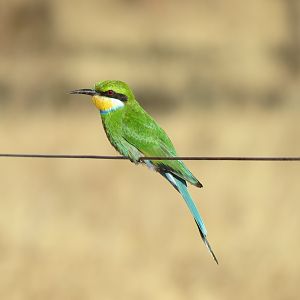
(142, 132)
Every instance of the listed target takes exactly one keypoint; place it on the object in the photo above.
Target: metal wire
(216, 158)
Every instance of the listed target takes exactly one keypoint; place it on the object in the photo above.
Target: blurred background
(222, 78)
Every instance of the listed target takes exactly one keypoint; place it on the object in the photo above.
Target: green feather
(134, 133)
(140, 130)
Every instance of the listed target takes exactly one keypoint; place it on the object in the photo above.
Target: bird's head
(109, 96)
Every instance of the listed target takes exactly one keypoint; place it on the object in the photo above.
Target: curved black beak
(89, 92)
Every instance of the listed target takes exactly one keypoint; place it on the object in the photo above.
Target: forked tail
(180, 185)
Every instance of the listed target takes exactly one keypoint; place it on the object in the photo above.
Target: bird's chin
(106, 104)
(94, 101)
(101, 103)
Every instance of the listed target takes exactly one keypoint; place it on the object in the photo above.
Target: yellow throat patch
(106, 104)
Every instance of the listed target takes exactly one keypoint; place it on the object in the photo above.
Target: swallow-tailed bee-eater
(135, 134)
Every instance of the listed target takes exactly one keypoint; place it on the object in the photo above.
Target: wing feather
(142, 132)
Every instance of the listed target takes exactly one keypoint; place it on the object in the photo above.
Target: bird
(135, 134)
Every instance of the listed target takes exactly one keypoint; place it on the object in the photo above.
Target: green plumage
(134, 134)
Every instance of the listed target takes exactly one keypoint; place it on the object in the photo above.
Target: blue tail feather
(180, 185)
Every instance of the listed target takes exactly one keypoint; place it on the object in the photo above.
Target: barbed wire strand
(210, 158)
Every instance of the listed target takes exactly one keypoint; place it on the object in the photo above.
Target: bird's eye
(110, 92)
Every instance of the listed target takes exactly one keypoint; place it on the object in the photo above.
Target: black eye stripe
(113, 94)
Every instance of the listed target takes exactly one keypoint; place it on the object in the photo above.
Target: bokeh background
(222, 78)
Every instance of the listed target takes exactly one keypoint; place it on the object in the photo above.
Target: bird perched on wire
(135, 134)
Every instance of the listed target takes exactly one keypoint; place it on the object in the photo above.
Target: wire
(216, 158)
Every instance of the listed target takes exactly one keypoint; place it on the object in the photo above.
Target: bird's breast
(106, 104)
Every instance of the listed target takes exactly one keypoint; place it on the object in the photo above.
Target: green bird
(135, 134)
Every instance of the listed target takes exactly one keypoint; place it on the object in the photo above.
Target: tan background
(222, 78)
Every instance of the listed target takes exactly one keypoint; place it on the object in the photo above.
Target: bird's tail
(180, 186)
